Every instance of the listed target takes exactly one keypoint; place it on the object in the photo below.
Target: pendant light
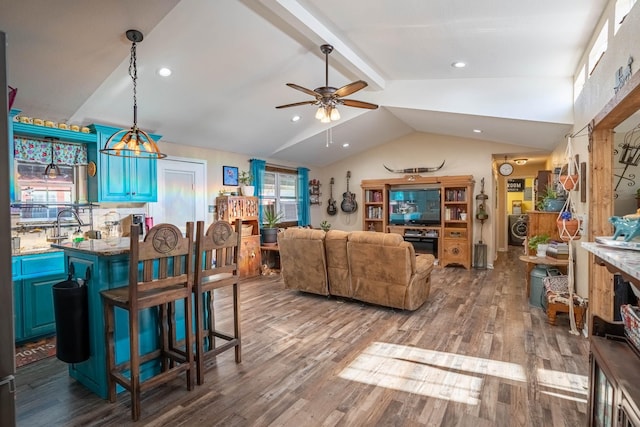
(52, 171)
(133, 142)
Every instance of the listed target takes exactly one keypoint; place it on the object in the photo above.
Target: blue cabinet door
(17, 310)
(124, 179)
(38, 314)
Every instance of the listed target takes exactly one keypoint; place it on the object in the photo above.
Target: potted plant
(325, 225)
(550, 202)
(269, 224)
(538, 244)
(246, 180)
(568, 226)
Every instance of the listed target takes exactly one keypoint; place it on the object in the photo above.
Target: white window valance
(39, 151)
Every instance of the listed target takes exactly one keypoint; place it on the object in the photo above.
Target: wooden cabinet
(230, 208)
(457, 221)
(541, 222)
(614, 381)
(450, 239)
(375, 207)
(121, 179)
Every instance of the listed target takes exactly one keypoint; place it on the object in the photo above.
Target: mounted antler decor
(415, 170)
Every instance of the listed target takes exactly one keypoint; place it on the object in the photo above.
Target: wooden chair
(557, 299)
(216, 267)
(160, 273)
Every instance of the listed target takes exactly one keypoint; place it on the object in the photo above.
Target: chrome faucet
(75, 215)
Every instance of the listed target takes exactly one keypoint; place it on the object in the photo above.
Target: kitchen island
(107, 263)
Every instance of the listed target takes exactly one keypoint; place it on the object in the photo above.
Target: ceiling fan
(327, 98)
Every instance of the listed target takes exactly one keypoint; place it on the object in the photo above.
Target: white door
(182, 192)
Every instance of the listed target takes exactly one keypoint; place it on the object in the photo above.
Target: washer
(518, 227)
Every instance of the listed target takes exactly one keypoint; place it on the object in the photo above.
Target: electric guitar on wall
(348, 204)
(332, 209)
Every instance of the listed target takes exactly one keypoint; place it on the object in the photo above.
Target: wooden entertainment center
(451, 239)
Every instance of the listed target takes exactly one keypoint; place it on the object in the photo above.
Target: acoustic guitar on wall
(348, 204)
(332, 209)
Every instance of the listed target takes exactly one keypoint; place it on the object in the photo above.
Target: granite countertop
(628, 261)
(102, 247)
(36, 251)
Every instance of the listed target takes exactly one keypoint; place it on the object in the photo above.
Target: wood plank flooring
(475, 354)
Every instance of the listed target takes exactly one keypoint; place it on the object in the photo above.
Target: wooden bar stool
(165, 260)
(216, 267)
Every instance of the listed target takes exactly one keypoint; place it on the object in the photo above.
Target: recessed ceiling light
(345, 145)
(459, 64)
(477, 130)
(164, 72)
(520, 162)
(295, 118)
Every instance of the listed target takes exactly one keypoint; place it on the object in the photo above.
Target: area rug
(34, 351)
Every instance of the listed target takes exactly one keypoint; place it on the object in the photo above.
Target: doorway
(182, 192)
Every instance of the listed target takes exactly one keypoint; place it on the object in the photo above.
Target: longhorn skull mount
(415, 170)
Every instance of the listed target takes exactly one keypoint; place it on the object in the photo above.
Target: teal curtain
(304, 211)
(257, 168)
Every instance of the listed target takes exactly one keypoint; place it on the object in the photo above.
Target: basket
(247, 230)
(631, 318)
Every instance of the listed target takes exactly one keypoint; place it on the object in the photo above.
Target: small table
(535, 260)
(268, 252)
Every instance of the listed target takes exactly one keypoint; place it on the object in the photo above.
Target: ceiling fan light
(335, 114)
(320, 113)
(325, 119)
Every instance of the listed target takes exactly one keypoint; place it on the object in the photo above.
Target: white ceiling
(232, 58)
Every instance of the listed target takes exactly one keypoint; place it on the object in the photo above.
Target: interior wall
(597, 92)
(462, 157)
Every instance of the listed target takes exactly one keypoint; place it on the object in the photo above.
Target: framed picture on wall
(229, 175)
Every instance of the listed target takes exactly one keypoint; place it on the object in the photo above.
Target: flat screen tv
(414, 206)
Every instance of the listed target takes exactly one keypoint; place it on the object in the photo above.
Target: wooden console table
(534, 260)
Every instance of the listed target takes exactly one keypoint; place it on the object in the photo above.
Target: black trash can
(70, 304)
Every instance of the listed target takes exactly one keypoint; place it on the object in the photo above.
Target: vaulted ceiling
(231, 60)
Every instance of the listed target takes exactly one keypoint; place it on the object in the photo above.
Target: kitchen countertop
(627, 261)
(36, 251)
(102, 247)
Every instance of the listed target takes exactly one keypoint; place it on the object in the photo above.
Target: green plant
(271, 218)
(325, 225)
(549, 193)
(534, 241)
(245, 178)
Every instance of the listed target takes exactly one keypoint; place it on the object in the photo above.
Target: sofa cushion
(303, 261)
(335, 243)
(381, 265)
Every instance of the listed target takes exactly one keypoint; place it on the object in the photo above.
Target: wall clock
(505, 168)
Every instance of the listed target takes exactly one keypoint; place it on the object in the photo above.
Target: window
(622, 9)
(280, 189)
(599, 47)
(578, 84)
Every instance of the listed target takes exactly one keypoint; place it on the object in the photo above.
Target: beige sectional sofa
(378, 268)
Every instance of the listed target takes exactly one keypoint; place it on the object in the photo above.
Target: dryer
(518, 227)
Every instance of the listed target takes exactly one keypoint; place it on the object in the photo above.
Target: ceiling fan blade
(295, 104)
(347, 90)
(302, 89)
(359, 104)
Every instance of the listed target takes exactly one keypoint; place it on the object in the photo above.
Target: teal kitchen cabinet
(121, 179)
(17, 298)
(33, 294)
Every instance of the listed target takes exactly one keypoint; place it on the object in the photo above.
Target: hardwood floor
(475, 354)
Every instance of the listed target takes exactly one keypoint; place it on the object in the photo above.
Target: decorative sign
(623, 74)
(515, 185)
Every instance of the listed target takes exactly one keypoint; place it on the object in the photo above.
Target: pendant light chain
(133, 72)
